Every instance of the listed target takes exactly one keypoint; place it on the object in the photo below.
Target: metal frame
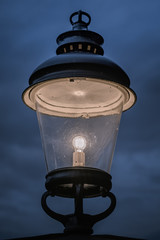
(78, 183)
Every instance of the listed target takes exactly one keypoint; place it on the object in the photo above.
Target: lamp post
(79, 96)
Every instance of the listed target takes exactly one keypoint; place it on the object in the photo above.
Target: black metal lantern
(79, 96)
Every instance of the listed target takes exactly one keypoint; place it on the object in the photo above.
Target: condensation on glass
(79, 120)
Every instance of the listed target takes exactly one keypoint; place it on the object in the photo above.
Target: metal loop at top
(80, 13)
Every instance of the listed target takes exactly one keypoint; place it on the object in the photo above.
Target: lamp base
(78, 183)
(62, 182)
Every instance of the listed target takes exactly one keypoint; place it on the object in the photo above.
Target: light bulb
(79, 144)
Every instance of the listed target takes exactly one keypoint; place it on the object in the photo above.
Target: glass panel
(79, 141)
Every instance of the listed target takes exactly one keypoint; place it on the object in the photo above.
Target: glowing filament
(79, 144)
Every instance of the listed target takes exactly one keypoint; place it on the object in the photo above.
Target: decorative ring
(95, 181)
(80, 13)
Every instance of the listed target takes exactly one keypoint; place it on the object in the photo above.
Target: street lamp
(79, 96)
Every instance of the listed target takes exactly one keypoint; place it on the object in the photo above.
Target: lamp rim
(29, 100)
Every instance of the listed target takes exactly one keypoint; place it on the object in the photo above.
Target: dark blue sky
(131, 30)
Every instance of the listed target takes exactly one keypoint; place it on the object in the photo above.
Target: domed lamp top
(79, 81)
